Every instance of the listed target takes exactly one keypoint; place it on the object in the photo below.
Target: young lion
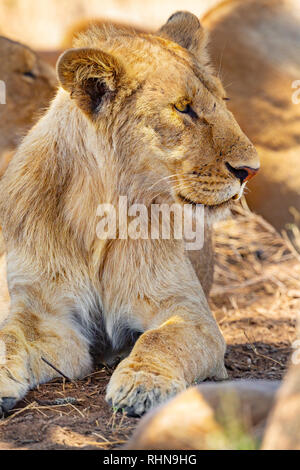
(136, 115)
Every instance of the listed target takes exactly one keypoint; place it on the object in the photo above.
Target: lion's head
(29, 84)
(161, 108)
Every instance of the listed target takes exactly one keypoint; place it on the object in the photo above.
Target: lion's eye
(29, 74)
(183, 107)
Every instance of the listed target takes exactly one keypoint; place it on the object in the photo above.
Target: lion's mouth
(223, 204)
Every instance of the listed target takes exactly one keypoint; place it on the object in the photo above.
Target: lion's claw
(136, 392)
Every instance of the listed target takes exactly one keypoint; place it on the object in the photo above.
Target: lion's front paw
(136, 391)
(12, 389)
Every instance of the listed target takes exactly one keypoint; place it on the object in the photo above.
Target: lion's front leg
(184, 347)
(31, 333)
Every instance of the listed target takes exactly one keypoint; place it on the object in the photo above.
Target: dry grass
(251, 253)
(256, 295)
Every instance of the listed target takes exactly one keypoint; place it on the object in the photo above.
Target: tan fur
(83, 26)
(113, 130)
(255, 48)
(30, 84)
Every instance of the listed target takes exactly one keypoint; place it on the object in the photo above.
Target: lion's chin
(213, 213)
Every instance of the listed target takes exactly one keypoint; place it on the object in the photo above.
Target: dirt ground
(255, 299)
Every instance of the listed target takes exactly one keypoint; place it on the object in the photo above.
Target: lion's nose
(243, 173)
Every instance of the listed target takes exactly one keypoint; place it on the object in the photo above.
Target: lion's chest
(108, 343)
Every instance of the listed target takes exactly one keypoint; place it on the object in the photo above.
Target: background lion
(255, 47)
(30, 84)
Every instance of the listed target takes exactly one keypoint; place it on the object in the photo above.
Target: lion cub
(136, 116)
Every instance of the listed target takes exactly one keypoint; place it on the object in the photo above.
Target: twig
(78, 411)
(259, 354)
(104, 444)
(101, 437)
(59, 401)
(6, 420)
(57, 370)
(290, 245)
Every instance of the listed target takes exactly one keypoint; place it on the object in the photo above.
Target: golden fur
(81, 27)
(255, 48)
(113, 130)
(30, 84)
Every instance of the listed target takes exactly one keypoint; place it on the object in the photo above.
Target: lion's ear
(185, 29)
(91, 76)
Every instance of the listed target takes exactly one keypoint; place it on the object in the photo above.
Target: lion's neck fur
(63, 170)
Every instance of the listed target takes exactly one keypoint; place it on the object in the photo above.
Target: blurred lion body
(122, 123)
(204, 416)
(255, 47)
(30, 84)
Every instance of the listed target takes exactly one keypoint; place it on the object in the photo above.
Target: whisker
(221, 58)
(162, 179)
(178, 186)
